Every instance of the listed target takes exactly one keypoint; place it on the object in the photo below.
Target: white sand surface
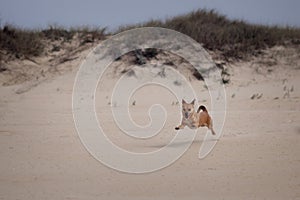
(257, 156)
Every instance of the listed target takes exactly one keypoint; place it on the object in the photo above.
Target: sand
(257, 156)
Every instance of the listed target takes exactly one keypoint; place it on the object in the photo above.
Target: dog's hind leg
(210, 127)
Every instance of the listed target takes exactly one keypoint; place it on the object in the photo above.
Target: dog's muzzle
(186, 115)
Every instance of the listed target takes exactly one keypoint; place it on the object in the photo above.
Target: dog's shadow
(177, 144)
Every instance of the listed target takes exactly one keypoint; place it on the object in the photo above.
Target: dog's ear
(193, 102)
(183, 101)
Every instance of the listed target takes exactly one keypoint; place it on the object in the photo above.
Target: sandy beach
(257, 156)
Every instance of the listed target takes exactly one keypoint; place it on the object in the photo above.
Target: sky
(114, 13)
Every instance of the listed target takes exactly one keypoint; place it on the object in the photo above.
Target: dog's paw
(176, 128)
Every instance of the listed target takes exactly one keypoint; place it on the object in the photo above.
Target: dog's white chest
(189, 123)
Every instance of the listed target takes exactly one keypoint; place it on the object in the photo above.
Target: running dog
(194, 119)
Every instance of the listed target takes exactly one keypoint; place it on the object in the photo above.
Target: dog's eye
(190, 109)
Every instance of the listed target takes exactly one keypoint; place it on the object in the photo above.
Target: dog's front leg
(181, 126)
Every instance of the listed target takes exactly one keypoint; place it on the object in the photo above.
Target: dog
(194, 119)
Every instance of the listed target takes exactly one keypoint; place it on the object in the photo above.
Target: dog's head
(187, 108)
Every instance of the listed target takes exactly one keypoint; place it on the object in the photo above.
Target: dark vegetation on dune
(24, 43)
(233, 39)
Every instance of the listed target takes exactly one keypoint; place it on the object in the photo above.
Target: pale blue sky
(113, 13)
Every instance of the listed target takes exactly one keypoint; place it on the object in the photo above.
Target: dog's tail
(203, 108)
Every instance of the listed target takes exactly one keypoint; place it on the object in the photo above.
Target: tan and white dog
(194, 119)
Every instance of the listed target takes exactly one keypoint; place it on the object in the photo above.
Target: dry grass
(21, 43)
(232, 38)
(235, 39)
